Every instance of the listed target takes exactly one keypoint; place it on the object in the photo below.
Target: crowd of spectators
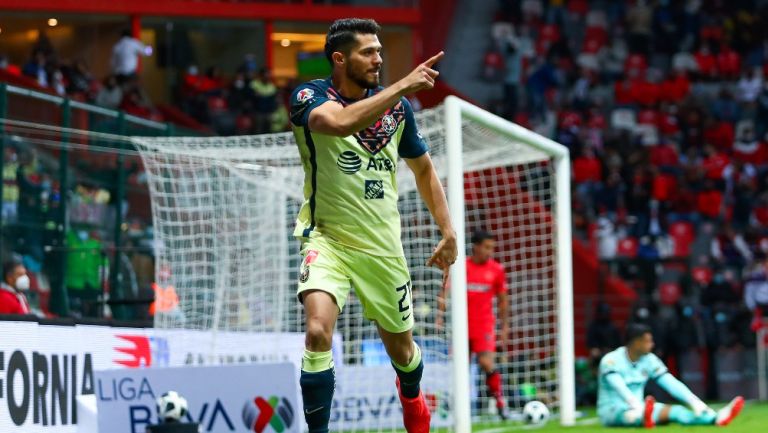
(664, 107)
(248, 103)
(121, 89)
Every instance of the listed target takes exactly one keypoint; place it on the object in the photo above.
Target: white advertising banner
(357, 405)
(44, 368)
(255, 398)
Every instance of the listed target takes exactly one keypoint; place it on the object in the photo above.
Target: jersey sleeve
(412, 144)
(655, 367)
(608, 365)
(304, 99)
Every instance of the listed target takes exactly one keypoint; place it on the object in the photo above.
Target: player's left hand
(444, 256)
(700, 408)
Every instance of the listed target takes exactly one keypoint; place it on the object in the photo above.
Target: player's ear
(338, 58)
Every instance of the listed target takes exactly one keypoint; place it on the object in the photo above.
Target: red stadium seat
(627, 248)
(682, 234)
(217, 104)
(701, 275)
(669, 293)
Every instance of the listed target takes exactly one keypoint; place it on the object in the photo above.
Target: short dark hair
(635, 331)
(126, 33)
(9, 266)
(341, 34)
(480, 236)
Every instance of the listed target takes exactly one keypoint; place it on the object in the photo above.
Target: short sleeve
(655, 367)
(304, 99)
(412, 144)
(608, 365)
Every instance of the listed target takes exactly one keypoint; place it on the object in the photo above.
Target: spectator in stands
(249, 65)
(750, 85)
(761, 116)
(587, 174)
(111, 94)
(57, 82)
(15, 283)
(756, 290)
(36, 68)
(613, 57)
(541, 80)
(602, 334)
(80, 80)
(513, 61)
(685, 62)
(726, 107)
(722, 290)
(125, 57)
(639, 18)
(240, 93)
(730, 248)
(264, 102)
(706, 62)
(136, 103)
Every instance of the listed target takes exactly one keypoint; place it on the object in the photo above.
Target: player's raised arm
(331, 118)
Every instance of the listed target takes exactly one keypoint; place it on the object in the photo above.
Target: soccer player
(350, 132)
(623, 375)
(485, 281)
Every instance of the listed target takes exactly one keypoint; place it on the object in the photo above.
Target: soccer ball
(171, 407)
(535, 412)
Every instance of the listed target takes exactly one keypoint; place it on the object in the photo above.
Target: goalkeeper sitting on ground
(623, 375)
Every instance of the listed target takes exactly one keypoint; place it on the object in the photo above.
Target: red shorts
(482, 340)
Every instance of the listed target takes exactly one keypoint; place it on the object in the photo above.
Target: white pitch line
(586, 421)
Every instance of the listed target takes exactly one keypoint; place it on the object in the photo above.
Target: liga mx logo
(260, 413)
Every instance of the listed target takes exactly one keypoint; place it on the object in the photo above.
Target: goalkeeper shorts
(382, 284)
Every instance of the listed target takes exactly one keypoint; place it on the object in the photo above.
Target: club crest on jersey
(388, 124)
(377, 136)
(304, 95)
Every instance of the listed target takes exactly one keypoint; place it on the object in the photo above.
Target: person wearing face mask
(15, 283)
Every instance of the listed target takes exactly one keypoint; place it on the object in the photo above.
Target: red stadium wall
(306, 11)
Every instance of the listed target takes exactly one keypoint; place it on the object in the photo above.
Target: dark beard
(361, 81)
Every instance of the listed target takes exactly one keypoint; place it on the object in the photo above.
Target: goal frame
(455, 110)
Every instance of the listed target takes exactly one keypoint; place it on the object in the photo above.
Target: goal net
(224, 210)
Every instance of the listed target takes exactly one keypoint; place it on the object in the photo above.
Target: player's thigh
(383, 286)
(322, 270)
(485, 360)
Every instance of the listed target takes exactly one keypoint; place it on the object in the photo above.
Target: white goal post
(456, 110)
(224, 209)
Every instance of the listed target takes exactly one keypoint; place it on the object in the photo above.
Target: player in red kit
(485, 281)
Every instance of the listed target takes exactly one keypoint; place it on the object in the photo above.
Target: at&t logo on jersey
(349, 162)
(380, 164)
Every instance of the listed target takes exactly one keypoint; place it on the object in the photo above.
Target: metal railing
(38, 128)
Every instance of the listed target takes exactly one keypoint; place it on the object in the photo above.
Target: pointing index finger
(434, 59)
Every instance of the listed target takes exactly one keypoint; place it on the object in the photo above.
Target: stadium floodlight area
(224, 210)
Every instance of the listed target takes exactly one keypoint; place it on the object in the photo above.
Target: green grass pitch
(753, 419)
